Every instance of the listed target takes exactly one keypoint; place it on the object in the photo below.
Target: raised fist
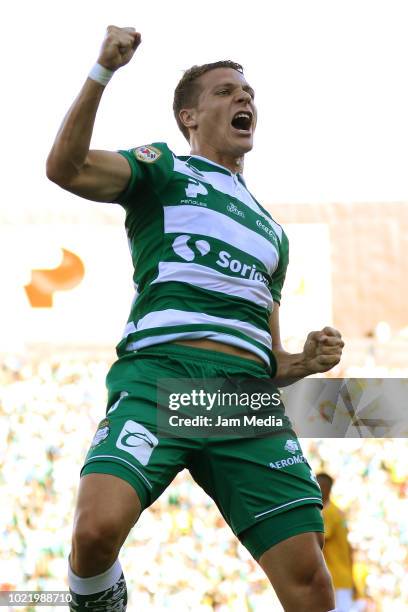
(322, 350)
(118, 47)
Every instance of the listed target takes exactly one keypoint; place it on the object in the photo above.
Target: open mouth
(242, 121)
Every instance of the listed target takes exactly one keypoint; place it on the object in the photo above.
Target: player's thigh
(253, 480)
(298, 573)
(128, 465)
(107, 506)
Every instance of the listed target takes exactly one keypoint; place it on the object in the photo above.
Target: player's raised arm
(95, 175)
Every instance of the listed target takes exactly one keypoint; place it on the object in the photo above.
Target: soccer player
(209, 267)
(337, 550)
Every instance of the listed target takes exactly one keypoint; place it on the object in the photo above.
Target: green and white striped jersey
(209, 260)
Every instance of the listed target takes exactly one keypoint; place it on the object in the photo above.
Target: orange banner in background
(44, 283)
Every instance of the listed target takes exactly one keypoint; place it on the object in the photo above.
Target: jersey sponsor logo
(147, 154)
(194, 188)
(137, 440)
(283, 463)
(238, 267)
(194, 203)
(182, 249)
(101, 433)
(233, 209)
(268, 230)
(291, 446)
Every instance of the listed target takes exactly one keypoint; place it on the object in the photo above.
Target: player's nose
(243, 96)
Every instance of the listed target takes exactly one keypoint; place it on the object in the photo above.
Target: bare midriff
(210, 345)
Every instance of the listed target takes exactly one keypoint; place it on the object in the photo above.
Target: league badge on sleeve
(147, 154)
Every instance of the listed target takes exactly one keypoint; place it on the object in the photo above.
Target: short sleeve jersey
(209, 261)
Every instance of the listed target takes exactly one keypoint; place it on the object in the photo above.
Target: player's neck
(233, 163)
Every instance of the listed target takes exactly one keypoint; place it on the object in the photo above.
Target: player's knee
(101, 535)
(319, 582)
(313, 580)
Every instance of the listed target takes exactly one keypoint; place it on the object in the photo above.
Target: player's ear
(188, 117)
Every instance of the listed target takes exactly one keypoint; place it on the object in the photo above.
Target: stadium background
(54, 359)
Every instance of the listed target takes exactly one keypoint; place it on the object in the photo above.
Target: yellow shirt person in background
(337, 551)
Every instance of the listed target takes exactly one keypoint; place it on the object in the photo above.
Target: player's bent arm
(102, 178)
(291, 366)
(321, 352)
(95, 175)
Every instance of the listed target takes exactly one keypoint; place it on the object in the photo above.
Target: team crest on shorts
(102, 433)
(291, 446)
(147, 154)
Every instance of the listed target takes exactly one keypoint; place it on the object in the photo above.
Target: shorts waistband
(201, 354)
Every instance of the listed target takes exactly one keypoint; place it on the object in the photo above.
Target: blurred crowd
(181, 555)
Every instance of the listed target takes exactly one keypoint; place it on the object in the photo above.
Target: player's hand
(118, 47)
(322, 350)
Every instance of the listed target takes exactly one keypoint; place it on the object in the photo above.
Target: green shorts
(256, 482)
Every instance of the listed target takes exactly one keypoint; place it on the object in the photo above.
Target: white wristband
(100, 74)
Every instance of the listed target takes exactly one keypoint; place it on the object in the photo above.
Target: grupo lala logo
(233, 209)
(224, 260)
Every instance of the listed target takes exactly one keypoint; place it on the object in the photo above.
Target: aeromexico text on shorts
(209, 400)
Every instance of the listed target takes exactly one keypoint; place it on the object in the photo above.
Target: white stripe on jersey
(171, 316)
(207, 278)
(183, 219)
(197, 335)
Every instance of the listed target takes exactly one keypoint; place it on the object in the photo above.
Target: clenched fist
(118, 47)
(322, 350)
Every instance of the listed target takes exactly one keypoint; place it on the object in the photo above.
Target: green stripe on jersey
(183, 296)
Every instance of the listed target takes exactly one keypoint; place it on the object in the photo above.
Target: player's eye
(223, 91)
